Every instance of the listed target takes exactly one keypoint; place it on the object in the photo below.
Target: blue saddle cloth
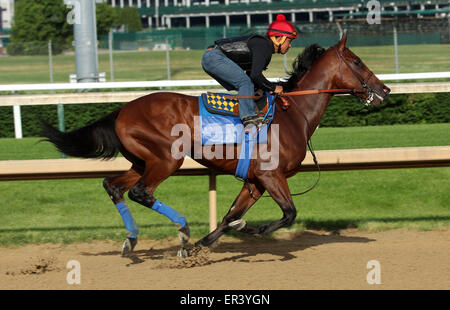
(222, 129)
(219, 128)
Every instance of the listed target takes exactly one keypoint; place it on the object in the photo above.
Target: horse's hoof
(238, 224)
(128, 246)
(182, 253)
(197, 248)
(184, 235)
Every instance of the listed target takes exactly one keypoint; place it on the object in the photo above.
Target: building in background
(7, 14)
(207, 13)
(6, 18)
(194, 24)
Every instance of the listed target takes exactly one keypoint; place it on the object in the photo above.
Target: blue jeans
(231, 77)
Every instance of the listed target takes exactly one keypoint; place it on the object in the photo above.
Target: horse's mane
(302, 64)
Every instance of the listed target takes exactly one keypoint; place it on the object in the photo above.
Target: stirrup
(258, 121)
(250, 120)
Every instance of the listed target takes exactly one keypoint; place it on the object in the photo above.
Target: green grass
(381, 136)
(412, 58)
(26, 148)
(80, 210)
(151, 65)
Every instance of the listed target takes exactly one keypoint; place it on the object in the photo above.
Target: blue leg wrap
(172, 214)
(128, 220)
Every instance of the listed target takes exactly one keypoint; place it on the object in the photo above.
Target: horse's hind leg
(232, 219)
(116, 187)
(278, 187)
(157, 171)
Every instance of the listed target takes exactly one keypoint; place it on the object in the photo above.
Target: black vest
(236, 48)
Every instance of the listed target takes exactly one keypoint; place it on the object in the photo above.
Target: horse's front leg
(276, 184)
(232, 219)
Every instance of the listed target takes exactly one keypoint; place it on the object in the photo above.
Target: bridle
(365, 88)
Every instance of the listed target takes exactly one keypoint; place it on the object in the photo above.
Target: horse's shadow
(247, 249)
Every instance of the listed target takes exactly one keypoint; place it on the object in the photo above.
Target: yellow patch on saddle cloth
(220, 103)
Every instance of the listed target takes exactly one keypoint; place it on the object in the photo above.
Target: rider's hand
(278, 89)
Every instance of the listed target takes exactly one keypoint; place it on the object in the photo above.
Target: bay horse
(142, 131)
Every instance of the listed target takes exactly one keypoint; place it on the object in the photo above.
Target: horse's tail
(96, 140)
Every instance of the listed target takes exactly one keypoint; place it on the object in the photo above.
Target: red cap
(282, 28)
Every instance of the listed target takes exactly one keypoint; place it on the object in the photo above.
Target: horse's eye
(357, 62)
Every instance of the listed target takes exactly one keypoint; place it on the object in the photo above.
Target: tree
(107, 17)
(129, 17)
(39, 21)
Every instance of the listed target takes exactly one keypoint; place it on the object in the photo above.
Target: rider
(227, 60)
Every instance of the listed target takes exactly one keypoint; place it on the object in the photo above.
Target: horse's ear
(343, 42)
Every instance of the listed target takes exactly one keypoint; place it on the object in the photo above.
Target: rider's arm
(261, 56)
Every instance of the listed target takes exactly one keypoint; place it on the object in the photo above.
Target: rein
(303, 92)
(320, 91)
(286, 104)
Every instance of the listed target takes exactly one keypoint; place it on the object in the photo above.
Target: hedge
(398, 109)
(343, 111)
(75, 116)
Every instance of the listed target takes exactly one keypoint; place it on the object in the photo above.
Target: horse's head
(354, 74)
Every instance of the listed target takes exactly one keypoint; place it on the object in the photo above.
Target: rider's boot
(255, 120)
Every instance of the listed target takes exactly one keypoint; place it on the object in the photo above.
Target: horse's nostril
(387, 90)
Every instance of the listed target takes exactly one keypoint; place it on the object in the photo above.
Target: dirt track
(311, 260)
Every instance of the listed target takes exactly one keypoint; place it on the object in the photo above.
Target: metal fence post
(61, 122)
(50, 60)
(396, 49)
(111, 64)
(286, 71)
(168, 59)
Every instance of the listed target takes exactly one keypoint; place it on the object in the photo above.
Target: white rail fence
(16, 101)
(186, 83)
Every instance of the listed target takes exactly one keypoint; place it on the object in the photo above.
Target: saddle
(220, 122)
(228, 105)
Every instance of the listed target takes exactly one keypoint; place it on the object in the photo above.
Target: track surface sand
(310, 260)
